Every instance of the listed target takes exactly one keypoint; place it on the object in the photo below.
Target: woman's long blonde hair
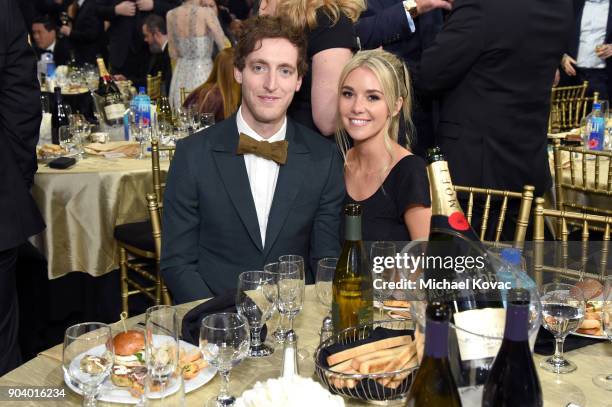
(303, 13)
(395, 83)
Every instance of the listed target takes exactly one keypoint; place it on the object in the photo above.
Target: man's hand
(119, 77)
(604, 51)
(125, 8)
(423, 6)
(567, 63)
(65, 30)
(144, 5)
(557, 78)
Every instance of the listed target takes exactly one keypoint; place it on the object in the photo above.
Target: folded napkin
(127, 148)
(545, 342)
(192, 321)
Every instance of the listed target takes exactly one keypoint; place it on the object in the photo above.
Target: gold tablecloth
(46, 370)
(81, 206)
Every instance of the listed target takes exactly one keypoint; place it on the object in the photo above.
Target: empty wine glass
(141, 131)
(382, 250)
(87, 358)
(605, 380)
(280, 331)
(255, 300)
(562, 311)
(207, 120)
(291, 286)
(324, 279)
(67, 139)
(224, 342)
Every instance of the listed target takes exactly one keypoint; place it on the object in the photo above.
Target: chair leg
(123, 275)
(165, 294)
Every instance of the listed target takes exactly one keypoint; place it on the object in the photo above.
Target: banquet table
(46, 370)
(81, 206)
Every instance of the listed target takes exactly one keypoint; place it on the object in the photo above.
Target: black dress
(383, 212)
(325, 36)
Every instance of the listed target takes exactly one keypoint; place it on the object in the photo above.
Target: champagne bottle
(433, 385)
(352, 286)
(59, 116)
(112, 102)
(513, 380)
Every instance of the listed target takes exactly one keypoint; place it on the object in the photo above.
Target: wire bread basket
(366, 387)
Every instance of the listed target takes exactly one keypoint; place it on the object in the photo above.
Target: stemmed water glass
(280, 331)
(207, 120)
(255, 301)
(605, 380)
(224, 341)
(87, 358)
(291, 286)
(382, 250)
(141, 130)
(562, 310)
(324, 279)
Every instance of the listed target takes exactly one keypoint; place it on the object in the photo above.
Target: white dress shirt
(592, 33)
(262, 173)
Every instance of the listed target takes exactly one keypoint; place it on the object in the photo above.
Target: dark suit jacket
(128, 52)
(494, 62)
(384, 23)
(161, 63)
(87, 35)
(20, 115)
(210, 227)
(61, 52)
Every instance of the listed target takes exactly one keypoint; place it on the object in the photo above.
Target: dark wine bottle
(112, 103)
(433, 385)
(352, 286)
(513, 380)
(59, 116)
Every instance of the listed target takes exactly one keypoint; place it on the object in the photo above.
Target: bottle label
(597, 129)
(480, 332)
(114, 111)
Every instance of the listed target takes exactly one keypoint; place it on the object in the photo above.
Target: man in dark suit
(86, 33)
(156, 37)
(590, 46)
(20, 115)
(406, 28)
(495, 74)
(230, 207)
(44, 33)
(128, 52)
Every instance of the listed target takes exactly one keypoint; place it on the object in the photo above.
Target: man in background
(156, 37)
(44, 33)
(86, 32)
(20, 115)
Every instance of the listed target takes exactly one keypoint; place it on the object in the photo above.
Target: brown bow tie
(275, 151)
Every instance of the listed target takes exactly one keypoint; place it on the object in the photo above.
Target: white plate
(113, 394)
(590, 336)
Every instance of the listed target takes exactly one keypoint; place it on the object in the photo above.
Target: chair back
(589, 172)
(526, 198)
(562, 267)
(155, 214)
(159, 183)
(154, 86)
(568, 106)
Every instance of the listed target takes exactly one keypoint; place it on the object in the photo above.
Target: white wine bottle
(113, 106)
(433, 385)
(352, 286)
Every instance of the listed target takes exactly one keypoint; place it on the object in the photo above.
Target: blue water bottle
(596, 128)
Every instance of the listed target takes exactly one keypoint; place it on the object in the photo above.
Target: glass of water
(291, 286)
(224, 342)
(562, 312)
(326, 268)
(87, 358)
(605, 380)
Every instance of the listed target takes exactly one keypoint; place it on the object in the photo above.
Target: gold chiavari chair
(565, 268)
(159, 183)
(183, 93)
(492, 196)
(154, 86)
(568, 106)
(597, 182)
(155, 215)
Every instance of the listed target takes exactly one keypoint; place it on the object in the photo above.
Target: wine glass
(562, 311)
(207, 120)
(224, 341)
(324, 279)
(140, 129)
(605, 380)
(280, 331)
(255, 300)
(183, 120)
(382, 250)
(164, 381)
(67, 139)
(87, 358)
(291, 286)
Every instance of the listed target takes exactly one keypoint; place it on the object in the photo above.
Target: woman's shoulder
(410, 162)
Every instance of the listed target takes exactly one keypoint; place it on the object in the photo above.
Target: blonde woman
(331, 43)
(385, 178)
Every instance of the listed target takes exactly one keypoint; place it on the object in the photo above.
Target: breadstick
(356, 362)
(397, 363)
(376, 365)
(367, 348)
(342, 367)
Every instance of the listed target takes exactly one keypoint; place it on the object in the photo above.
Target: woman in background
(331, 43)
(385, 178)
(191, 31)
(220, 94)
